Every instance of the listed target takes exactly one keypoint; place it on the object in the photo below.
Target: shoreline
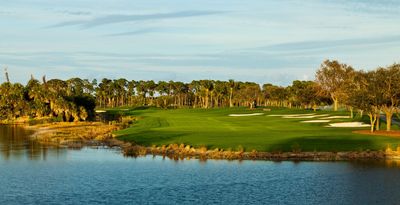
(89, 134)
(72, 134)
(187, 152)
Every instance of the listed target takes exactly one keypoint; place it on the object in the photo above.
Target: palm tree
(163, 90)
(208, 86)
(131, 91)
(232, 86)
(220, 91)
(195, 88)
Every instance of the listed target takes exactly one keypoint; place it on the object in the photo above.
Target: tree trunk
(389, 110)
(206, 99)
(389, 121)
(165, 102)
(378, 121)
(372, 119)
(351, 113)
(211, 99)
(335, 104)
(195, 102)
(230, 98)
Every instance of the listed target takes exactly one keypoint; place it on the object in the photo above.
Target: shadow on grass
(324, 144)
(149, 138)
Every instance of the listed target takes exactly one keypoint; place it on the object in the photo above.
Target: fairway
(214, 128)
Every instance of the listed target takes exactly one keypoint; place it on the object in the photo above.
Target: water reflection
(105, 176)
(16, 143)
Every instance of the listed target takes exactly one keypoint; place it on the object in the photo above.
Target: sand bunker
(305, 116)
(243, 115)
(349, 124)
(291, 115)
(100, 111)
(336, 117)
(315, 121)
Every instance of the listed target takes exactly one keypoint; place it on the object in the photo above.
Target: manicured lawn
(215, 129)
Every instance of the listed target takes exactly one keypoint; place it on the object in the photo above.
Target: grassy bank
(73, 134)
(214, 128)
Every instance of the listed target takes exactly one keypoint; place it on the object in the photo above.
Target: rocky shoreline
(181, 152)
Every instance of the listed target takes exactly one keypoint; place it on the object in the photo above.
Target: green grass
(213, 128)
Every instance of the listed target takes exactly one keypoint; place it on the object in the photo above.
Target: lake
(31, 173)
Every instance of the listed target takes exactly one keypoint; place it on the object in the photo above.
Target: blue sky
(253, 40)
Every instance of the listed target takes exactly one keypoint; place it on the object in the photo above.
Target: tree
(388, 83)
(365, 95)
(332, 77)
(304, 93)
(207, 86)
(163, 90)
(232, 87)
(221, 90)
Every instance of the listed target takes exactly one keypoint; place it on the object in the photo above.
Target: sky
(264, 41)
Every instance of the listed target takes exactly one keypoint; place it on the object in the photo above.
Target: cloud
(75, 13)
(6, 12)
(370, 7)
(328, 44)
(113, 19)
(131, 33)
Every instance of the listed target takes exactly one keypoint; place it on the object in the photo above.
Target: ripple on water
(104, 176)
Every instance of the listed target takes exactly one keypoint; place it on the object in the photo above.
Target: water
(31, 173)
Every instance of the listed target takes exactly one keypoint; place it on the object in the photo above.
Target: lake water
(34, 174)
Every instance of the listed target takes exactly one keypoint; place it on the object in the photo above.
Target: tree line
(69, 100)
(205, 94)
(337, 84)
(75, 99)
(373, 92)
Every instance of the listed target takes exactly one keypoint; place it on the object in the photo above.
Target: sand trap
(315, 121)
(349, 124)
(243, 115)
(336, 117)
(291, 115)
(305, 116)
(100, 111)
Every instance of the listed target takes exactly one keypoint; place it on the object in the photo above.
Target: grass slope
(215, 129)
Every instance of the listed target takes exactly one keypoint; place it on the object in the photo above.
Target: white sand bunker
(315, 121)
(336, 117)
(305, 116)
(349, 124)
(243, 115)
(100, 111)
(291, 115)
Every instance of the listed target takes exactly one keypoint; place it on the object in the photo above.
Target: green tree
(332, 77)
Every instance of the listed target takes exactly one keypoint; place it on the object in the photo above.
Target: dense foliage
(205, 94)
(75, 99)
(70, 100)
(374, 92)
(371, 92)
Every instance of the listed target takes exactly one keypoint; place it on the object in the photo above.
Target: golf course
(267, 130)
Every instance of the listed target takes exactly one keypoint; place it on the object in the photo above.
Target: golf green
(214, 128)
